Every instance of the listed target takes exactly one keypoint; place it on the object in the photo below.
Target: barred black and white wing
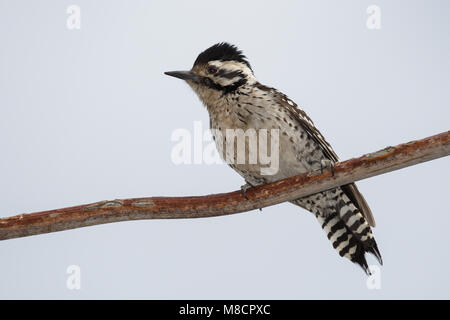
(351, 190)
(342, 212)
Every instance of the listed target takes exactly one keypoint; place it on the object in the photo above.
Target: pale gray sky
(87, 115)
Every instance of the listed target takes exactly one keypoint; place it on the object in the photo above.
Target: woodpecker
(223, 79)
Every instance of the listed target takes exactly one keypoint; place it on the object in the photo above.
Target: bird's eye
(212, 70)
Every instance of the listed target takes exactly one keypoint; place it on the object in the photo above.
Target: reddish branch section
(386, 160)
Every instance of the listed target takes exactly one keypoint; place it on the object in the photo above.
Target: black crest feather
(222, 51)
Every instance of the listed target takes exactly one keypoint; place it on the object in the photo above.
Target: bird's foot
(327, 164)
(244, 189)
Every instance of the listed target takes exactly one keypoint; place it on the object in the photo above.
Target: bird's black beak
(184, 75)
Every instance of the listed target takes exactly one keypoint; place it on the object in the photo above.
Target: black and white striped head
(220, 69)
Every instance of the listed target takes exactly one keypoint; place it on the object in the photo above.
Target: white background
(87, 115)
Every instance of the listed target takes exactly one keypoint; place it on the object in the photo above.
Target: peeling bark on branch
(372, 164)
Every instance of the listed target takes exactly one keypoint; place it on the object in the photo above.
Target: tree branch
(386, 160)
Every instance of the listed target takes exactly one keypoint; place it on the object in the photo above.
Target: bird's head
(219, 70)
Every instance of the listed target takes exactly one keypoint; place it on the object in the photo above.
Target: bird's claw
(326, 163)
(244, 189)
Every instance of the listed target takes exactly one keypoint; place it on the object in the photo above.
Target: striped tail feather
(353, 219)
(344, 224)
(348, 244)
(358, 225)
